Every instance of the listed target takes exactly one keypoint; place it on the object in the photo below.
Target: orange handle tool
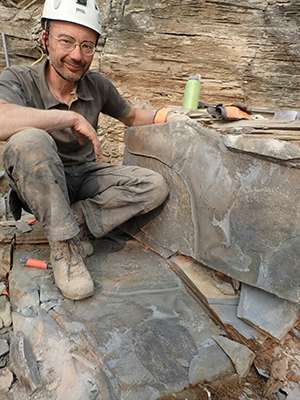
(34, 263)
(32, 221)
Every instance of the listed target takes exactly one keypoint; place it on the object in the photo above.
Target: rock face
(246, 50)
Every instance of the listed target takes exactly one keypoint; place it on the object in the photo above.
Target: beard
(61, 68)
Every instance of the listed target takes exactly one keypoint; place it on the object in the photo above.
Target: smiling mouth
(73, 68)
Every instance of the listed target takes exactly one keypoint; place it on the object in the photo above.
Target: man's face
(70, 63)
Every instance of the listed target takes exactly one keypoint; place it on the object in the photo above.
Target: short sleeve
(11, 89)
(115, 105)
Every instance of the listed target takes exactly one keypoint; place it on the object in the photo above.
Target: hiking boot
(70, 273)
(84, 235)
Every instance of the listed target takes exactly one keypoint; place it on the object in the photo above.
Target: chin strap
(42, 56)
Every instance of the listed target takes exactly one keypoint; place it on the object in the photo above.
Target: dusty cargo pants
(107, 195)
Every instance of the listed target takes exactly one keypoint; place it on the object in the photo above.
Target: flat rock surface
(136, 338)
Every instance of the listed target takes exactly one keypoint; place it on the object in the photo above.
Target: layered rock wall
(247, 50)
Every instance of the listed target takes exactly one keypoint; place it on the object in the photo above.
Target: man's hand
(83, 129)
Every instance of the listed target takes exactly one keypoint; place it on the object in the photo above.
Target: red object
(34, 263)
(32, 221)
(5, 293)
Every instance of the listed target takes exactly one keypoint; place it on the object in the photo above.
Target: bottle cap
(196, 77)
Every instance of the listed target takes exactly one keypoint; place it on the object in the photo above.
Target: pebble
(6, 380)
(5, 312)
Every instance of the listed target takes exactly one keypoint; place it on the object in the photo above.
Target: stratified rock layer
(246, 50)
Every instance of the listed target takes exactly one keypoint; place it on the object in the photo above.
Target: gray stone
(49, 305)
(296, 333)
(50, 296)
(48, 292)
(6, 380)
(280, 395)
(23, 227)
(4, 348)
(4, 360)
(228, 315)
(27, 284)
(5, 259)
(2, 287)
(5, 333)
(24, 363)
(5, 311)
(277, 149)
(241, 357)
(267, 312)
(234, 212)
(210, 364)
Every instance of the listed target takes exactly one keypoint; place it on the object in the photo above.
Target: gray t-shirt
(27, 86)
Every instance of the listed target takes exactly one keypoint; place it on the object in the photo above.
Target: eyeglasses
(68, 43)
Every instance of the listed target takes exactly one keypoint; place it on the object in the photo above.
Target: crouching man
(48, 115)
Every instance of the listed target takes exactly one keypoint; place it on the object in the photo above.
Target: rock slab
(273, 315)
(234, 212)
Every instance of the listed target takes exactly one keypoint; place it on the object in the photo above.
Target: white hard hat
(82, 12)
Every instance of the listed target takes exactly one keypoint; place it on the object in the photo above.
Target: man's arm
(14, 118)
(138, 116)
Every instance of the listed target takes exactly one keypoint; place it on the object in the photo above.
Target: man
(49, 114)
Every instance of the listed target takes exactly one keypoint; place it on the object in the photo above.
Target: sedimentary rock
(233, 211)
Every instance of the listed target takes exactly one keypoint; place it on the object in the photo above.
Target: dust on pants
(107, 195)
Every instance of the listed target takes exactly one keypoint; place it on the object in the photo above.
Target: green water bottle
(192, 93)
